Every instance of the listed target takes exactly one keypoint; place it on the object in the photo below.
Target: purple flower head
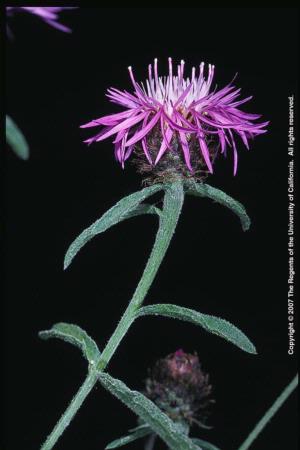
(174, 118)
(178, 385)
(49, 14)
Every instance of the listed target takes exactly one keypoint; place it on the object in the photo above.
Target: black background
(56, 82)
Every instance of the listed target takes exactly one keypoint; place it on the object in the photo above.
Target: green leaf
(143, 208)
(204, 444)
(127, 207)
(159, 422)
(76, 336)
(139, 427)
(138, 433)
(213, 324)
(204, 190)
(16, 140)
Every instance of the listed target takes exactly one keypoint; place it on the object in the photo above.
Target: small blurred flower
(179, 387)
(50, 14)
(177, 121)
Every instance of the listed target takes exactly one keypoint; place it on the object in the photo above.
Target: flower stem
(168, 221)
(173, 202)
(269, 414)
(72, 409)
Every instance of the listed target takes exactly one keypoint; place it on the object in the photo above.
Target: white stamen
(167, 89)
(182, 68)
(150, 72)
(170, 68)
(193, 74)
(131, 75)
(155, 72)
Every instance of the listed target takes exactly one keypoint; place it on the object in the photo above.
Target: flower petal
(127, 123)
(140, 134)
(186, 150)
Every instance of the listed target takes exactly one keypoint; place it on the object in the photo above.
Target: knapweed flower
(179, 387)
(177, 122)
(50, 14)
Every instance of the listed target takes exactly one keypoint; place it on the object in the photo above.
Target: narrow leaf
(159, 422)
(204, 444)
(213, 324)
(124, 440)
(16, 140)
(127, 207)
(204, 190)
(143, 208)
(76, 336)
(139, 427)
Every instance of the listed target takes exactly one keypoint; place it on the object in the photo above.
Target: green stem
(173, 202)
(167, 224)
(269, 414)
(72, 409)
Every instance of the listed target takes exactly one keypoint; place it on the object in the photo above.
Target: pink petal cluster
(181, 107)
(50, 14)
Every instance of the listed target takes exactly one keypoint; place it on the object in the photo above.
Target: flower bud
(179, 387)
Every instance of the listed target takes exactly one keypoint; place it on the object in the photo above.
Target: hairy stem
(173, 202)
(269, 414)
(72, 409)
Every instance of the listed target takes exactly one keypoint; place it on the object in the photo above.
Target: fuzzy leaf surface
(126, 208)
(159, 422)
(75, 335)
(213, 324)
(205, 190)
(138, 433)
